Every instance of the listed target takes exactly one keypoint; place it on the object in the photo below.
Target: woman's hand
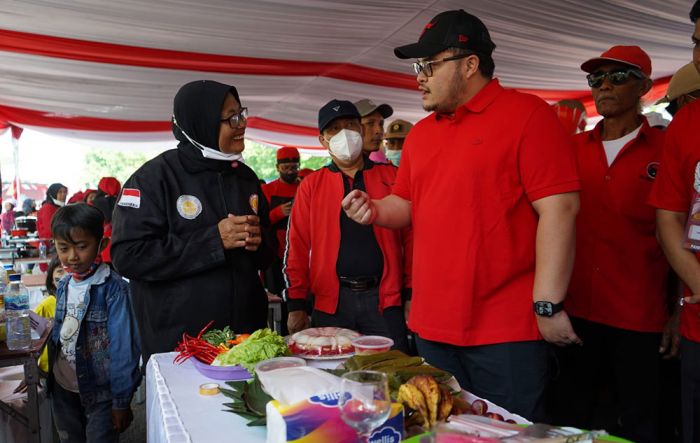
(240, 232)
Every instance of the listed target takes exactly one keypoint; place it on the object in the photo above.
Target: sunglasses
(236, 119)
(616, 77)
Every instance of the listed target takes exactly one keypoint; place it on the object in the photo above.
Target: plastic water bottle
(19, 330)
(42, 250)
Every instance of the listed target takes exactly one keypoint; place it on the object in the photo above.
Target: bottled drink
(42, 249)
(17, 314)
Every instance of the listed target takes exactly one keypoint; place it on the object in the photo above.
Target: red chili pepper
(196, 347)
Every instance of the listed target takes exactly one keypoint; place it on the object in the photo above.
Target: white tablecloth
(176, 413)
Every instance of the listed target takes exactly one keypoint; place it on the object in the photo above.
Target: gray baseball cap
(366, 106)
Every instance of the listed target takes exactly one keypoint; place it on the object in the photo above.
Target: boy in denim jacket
(94, 348)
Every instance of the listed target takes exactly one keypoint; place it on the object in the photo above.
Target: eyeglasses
(236, 119)
(427, 67)
(616, 77)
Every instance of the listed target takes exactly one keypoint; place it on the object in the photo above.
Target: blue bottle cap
(8, 267)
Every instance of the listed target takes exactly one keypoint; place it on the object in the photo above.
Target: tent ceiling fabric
(112, 68)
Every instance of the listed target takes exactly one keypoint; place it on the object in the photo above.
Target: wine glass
(364, 401)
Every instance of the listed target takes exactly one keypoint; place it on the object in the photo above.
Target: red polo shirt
(673, 190)
(620, 271)
(471, 178)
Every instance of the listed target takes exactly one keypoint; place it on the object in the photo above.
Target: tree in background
(119, 164)
(262, 160)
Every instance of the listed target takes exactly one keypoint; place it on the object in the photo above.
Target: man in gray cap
(373, 116)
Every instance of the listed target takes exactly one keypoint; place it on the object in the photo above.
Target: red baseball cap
(110, 186)
(627, 55)
(287, 154)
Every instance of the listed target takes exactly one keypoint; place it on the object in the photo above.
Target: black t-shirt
(359, 254)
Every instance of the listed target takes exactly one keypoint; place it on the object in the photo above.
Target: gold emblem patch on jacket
(189, 206)
(253, 199)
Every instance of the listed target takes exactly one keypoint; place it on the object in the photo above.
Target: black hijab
(197, 111)
(52, 192)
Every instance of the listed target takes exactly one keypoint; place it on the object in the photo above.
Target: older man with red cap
(617, 294)
(280, 194)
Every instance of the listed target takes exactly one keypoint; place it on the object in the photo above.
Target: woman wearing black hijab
(187, 226)
(55, 198)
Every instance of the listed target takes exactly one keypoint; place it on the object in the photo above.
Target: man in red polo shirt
(676, 194)
(356, 273)
(617, 295)
(488, 182)
(280, 194)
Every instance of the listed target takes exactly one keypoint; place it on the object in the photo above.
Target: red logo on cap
(462, 38)
(428, 26)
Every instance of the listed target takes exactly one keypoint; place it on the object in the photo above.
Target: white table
(176, 413)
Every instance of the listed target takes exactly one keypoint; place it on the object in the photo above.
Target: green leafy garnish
(218, 337)
(263, 344)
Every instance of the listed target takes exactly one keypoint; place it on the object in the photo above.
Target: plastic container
(279, 363)
(222, 372)
(372, 344)
(16, 299)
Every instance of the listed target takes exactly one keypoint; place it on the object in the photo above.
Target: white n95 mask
(346, 145)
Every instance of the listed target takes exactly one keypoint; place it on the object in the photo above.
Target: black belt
(359, 284)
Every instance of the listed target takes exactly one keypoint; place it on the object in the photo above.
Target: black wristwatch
(547, 308)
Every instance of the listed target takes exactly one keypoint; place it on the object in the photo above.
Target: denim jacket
(107, 349)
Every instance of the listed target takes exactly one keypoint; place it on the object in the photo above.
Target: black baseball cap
(336, 109)
(449, 29)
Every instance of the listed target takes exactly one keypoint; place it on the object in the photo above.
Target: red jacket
(43, 219)
(313, 240)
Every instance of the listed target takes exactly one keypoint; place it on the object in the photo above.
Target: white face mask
(58, 203)
(208, 152)
(346, 145)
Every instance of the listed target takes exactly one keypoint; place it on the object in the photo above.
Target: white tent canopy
(106, 70)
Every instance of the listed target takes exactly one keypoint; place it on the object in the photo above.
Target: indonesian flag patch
(130, 198)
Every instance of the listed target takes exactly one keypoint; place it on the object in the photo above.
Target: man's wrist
(545, 308)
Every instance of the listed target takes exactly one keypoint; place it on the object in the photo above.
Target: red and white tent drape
(102, 70)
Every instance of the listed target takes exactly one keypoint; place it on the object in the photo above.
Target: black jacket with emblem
(169, 247)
